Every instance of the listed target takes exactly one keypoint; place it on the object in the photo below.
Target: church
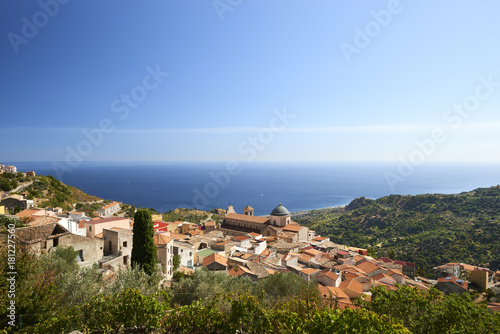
(278, 224)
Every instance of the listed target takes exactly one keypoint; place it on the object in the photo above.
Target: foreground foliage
(55, 296)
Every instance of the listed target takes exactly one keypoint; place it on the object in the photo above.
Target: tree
(144, 249)
(177, 261)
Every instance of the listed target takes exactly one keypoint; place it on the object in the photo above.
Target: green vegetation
(58, 297)
(10, 181)
(47, 191)
(190, 215)
(428, 230)
(144, 248)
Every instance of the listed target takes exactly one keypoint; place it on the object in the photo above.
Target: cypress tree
(144, 248)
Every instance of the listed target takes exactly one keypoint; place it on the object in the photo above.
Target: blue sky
(234, 65)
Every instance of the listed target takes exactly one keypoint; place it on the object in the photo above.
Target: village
(242, 244)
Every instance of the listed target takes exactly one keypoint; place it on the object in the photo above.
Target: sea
(299, 186)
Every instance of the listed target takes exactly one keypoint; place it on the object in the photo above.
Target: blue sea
(298, 186)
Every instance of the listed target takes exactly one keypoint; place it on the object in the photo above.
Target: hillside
(427, 229)
(46, 191)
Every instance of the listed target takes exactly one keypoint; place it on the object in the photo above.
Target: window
(124, 244)
(90, 228)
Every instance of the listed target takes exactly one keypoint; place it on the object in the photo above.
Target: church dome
(280, 210)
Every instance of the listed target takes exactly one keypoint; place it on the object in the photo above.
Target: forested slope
(427, 229)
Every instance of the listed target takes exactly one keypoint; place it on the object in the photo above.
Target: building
(30, 173)
(165, 252)
(2, 210)
(202, 254)
(10, 169)
(480, 278)
(215, 262)
(186, 252)
(118, 240)
(45, 238)
(448, 269)
(108, 210)
(13, 201)
(279, 220)
(210, 226)
(78, 216)
(308, 274)
(451, 284)
(329, 278)
(94, 227)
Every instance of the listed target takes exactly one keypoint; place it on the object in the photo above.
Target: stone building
(235, 224)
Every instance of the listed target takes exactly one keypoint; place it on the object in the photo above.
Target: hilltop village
(241, 244)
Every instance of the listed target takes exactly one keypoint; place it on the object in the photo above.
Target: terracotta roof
(328, 292)
(368, 267)
(27, 212)
(305, 257)
(161, 239)
(329, 274)
(215, 258)
(247, 218)
(385, 260)
(210, 223)
(99, 236)
(309, 271)
(313, 252)
(239, 270)
(241, 238)
(106, 220)
(109, 205)
(353, 286)
(178, 236)
(453, 279)
(77, 212)
(293, 228)
(382, 275)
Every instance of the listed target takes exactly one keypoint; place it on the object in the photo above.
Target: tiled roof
(241, 238)
(109, 205)
(453, 279)
(239, 270)
(27, 212)
(328, 292)
(247, 218)
(382, 275)
(293, 228)
(309, 271)
(329, 274)
(215, 258)
(352, 285)
(106, 220)
(161, 239)
(368, 267)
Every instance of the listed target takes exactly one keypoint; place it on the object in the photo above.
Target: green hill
(46, 191)
(428, 230)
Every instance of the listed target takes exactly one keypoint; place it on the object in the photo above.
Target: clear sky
(360, 80)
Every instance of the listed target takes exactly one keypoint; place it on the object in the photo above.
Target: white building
(108, 210)
(186, 252)
(72, 226)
